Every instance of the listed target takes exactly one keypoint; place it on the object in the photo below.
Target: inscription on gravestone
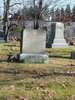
(34, 58)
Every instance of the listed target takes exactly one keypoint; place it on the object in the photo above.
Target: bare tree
(37, 16)
(6, 17)
(39, 9)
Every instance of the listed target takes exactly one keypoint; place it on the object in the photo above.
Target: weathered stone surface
(34, 41)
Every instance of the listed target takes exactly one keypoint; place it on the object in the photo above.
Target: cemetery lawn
(53, 81)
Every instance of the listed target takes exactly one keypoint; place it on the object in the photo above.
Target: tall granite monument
(33, 46)
(59, 41)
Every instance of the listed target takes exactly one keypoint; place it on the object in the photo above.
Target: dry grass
(37, 81)
(9, 48)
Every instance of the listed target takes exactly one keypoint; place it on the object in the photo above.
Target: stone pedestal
(33, 58)
(59, 41)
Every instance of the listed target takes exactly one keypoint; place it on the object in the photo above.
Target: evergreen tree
(52, 14)
(62, 14)
(73, 14)
(57, 15)
(68, 13)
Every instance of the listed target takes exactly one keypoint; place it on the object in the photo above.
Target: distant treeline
(59, 14)
(63, 15)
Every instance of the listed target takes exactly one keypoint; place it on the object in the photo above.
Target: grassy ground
(52, 81)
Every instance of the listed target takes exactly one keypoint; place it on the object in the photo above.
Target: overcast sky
(60, 4)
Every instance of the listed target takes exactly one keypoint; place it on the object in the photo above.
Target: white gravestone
(33, 46)
(34, 41)
(59, 41)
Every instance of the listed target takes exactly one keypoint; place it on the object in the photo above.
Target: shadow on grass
(56, 56)
(21, 74)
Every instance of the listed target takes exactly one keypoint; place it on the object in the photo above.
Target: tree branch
(15, 4)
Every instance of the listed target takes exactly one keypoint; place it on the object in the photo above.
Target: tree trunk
(5, 20)
(37, 17)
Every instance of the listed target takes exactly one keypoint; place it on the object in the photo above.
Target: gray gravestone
(59, 41)
(73, 55)
(1, 33)
(33, 41)
(33, 46)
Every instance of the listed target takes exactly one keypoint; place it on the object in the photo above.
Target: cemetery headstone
(1, 33)
(73, 55)
(59, 41)
(50, 35)
(2, 37)
(33, 46)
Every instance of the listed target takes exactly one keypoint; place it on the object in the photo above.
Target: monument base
(33, 58)
(59, 43)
